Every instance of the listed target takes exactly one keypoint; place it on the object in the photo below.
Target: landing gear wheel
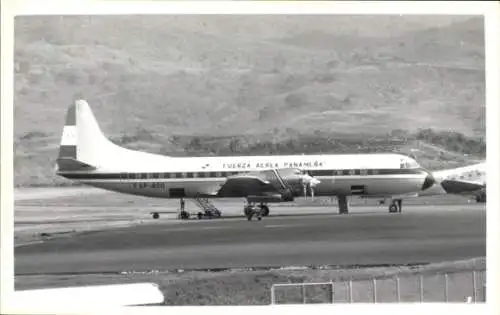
(249, 215)
(184, 215)
(247, 210)
(264, 211)
(393, 208)
(156, 215)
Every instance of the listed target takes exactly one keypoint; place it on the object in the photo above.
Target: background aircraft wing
(454, 186)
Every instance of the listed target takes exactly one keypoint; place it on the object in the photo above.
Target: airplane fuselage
(356, 174)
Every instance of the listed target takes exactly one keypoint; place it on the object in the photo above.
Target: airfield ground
(85, 236)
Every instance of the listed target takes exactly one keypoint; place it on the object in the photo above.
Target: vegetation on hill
(250, 85)
(321, 142)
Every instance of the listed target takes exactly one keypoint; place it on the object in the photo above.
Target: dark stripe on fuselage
(223, 174)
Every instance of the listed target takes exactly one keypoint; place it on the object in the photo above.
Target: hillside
(151, 78)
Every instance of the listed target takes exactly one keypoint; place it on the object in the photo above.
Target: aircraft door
(358, 189)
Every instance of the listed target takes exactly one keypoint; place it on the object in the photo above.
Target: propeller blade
(308, 183)
(314, 182)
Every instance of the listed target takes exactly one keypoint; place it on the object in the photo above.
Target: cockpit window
(414, 164)
(405, 164)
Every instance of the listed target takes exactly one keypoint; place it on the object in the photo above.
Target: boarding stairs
(275, 178)
(208, 207)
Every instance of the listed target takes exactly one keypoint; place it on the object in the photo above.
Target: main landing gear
(343, 206)
(250, 210)
(481, 198)
(396, 206)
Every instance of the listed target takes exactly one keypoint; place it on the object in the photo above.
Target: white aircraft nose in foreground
(86, 155)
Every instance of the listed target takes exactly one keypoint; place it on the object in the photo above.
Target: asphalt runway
(421, 234)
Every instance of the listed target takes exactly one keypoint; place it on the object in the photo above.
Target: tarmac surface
(421, 234)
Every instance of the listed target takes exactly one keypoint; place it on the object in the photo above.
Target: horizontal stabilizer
(71, 165)
(76, 298)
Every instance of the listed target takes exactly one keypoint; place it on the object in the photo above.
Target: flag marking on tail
(69, 139)
(69, 136)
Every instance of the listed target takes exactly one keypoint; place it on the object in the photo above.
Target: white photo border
(490, 10)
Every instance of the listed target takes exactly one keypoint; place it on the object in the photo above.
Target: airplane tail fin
(82, 143)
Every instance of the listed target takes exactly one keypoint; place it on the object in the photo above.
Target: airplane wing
(265, 185)
(135, 294)
(248, 184)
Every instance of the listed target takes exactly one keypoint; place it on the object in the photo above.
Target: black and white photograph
(249, 159)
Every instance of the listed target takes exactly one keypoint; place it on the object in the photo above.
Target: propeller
(308, 183)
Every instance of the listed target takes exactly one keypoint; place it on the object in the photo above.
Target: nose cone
(429, 181)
